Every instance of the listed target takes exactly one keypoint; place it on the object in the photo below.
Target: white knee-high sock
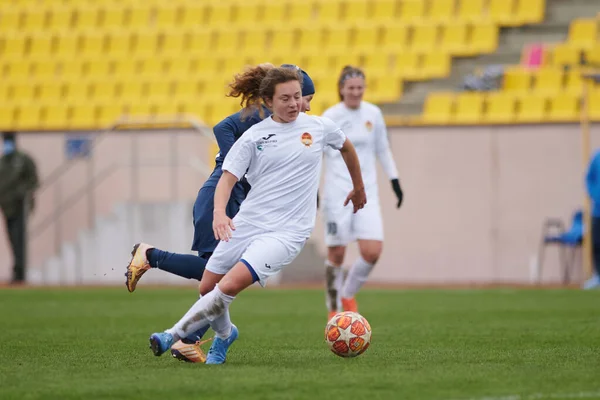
(222, 324)
(205, 310)
(333, 283)
(358, 275)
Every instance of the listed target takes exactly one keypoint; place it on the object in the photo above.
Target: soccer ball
(348, 334)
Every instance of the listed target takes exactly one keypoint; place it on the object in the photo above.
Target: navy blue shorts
(204, 238)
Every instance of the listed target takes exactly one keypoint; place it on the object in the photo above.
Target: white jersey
(366, 130)
(282, 163)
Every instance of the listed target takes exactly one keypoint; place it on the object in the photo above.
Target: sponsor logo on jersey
(369, 126)
(306, 139)
(266, 141)
(269, 136)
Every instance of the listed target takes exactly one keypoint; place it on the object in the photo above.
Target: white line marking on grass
(539, 396)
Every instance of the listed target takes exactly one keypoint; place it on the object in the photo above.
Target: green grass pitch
(92, 343)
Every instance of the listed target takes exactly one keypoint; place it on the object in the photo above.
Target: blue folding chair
(568, 242)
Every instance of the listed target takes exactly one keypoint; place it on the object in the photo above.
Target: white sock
(205, 310)
(358, 275)
(222, 324)
(333, 283)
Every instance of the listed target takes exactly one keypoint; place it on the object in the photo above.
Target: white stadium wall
(475, 197)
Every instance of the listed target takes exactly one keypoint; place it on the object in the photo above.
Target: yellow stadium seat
(548, 80)
(594, 105)
(219, 14)
(119, 44)
(200, 42)
(22, 92)
(186, 91)
(41, 45)
(70, 69)
(138, 16)
(501, 12)
(517, 79)
(425, 37)
(356, 10)
(60, 18)
(152, 67)
(387, 89)
(484, 38)
(92, 44)
(45, 69)
(193, 16)
(583, 32)
(469, 108)
(18, 70)
(385, 10)
(564, 108)
(226, 43)
(7, 116)
(178, 68)
(338, 39)
(14, 47)
(109, 113)
(438, 108)
(10, 20)
(138, 109)
(214, 87)
(573, 82)
(471, 10)
(207, 66)
(165, 108)
(126, 67)
(50, 92)
(274, 13)
(113, 17)
(412, 11)
(76, 92)
(407, 65)
(377, 64)
(366, 37)
(66, 45)
(86, 17)
(34, 19)
(500, 108)
(329, 12)
(173, 42)
(159, 89)
(247, 14)
(232, 65)
(103, 90)
(532, 108)
(132, 90)
(284, 42)
(530, 11)
(28, 117)
(167, 16)
(341, 60)
(318, 65)
(55, 116)
(441, 11)
(145, 43)
(394, 37)
(310, 40)
(82, 116)
(255, 41)
(565, 54)
(592, 55)
(97, 68)
(454, 39)
(435, 65)
(301, 13)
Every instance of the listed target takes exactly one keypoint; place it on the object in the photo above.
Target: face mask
(9, 147)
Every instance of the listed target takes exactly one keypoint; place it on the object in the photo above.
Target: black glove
(398, 191)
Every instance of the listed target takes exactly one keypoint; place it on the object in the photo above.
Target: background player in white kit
(281, 158)
(363, 123)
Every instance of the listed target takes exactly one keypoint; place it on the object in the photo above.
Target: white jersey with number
(282, 163)
(366, 130)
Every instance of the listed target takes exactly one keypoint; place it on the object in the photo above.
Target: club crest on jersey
(369, 126)
(306, 139)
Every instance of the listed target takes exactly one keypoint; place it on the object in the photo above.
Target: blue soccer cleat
(218, 350)
(160, 342)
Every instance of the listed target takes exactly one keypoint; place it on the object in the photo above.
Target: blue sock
(185, 265)
(196, 336)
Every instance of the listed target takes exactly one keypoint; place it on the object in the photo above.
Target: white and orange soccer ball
(348, 334)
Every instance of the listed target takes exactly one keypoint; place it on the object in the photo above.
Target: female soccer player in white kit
(363, 123)
(281, 158)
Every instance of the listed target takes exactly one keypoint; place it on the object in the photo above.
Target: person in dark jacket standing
(18, 182)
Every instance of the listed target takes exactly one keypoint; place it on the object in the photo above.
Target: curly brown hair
(276, 76)
(348, 72)
(247, 86)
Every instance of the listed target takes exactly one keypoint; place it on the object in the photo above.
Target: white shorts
(342, 226)
(264, 252)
